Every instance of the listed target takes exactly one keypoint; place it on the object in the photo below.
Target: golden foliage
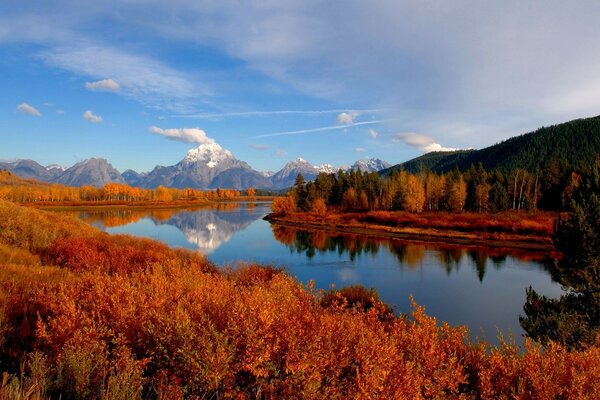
(131, 318)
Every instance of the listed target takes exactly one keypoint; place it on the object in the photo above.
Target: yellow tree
(413, 197)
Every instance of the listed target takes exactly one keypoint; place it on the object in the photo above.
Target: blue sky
(329, 81)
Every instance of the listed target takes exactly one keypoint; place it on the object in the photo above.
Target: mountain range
(574, 144)
(208, 166)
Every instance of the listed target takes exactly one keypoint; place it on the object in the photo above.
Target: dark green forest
(571, 145)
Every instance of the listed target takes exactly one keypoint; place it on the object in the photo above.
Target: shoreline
(424, 235)
(120, 204)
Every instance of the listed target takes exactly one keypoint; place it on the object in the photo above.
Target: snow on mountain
(210, 154)
(370, 165)
(55, 167)
(327, 168)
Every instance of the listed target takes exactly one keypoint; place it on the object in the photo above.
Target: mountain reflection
(410, 255)
(205, 228)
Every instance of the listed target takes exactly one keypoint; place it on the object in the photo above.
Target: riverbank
(509, 230)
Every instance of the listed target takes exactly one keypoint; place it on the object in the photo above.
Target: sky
(141, 82)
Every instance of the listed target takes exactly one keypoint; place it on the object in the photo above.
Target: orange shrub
(131, 318)
(283, 205)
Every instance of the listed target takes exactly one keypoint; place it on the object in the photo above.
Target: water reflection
(205, 228)
(482, 288)
(409, 255)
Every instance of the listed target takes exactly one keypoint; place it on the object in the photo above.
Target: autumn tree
(283, 205)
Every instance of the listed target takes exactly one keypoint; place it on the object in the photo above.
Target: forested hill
(574, 144)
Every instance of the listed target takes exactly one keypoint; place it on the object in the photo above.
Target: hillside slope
(573, 144)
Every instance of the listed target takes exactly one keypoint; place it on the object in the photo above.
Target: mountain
(133, 178)
(94, 171)
(286, 177)
(207, 166)
(371, 165)
(574, 144)
(30, 169)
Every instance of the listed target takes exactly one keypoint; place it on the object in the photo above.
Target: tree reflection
(408, 254)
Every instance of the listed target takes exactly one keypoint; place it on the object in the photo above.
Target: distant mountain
(94, 171)
(286, 177)
(30, 169)
(207, 166)
(370, 165)
(573, 144)
(133, 178)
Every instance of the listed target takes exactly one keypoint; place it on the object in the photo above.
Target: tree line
(476, 190)
(20, 190)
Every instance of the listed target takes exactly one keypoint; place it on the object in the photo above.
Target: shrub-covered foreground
(87, 315)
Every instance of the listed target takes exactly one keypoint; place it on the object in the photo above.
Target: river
(482, 288)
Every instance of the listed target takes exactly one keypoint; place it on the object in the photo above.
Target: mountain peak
(210, 154)
(370, 165)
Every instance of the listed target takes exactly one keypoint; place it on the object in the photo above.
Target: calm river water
(481, 288)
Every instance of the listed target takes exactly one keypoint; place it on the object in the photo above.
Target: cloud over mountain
(186, 135)
(423, 142)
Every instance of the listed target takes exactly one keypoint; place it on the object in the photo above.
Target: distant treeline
(20, 190)
(475, 189)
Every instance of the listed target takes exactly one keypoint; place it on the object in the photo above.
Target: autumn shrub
(162, 329)
(319, 207)
(118, 254)
(283, 205)
(356, 296)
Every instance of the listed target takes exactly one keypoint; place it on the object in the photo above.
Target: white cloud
(423, 142)
(29, 109)
(186, 135)
(60, 111)
(260, 147)
(281, 153)
(346, 118)
(373, 133)
(106, 85)
(90, 116)
(360, 149)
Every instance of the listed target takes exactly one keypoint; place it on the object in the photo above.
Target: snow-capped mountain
(55, 168)
(208, 166)
(204, 167)
(370, 165)
(210, 154)
(327, 168)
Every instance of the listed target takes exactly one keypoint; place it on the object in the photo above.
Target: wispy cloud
(144, 79)
(186, 135)
(423, 142)
(322, 129)
(90, 116)
(269, 113)
(29, 109)
(259, 147)
(373, 133)
(104, 85)
(280, 153)
(360, 149)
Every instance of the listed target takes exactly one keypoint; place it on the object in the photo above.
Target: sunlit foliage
(124, 318)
